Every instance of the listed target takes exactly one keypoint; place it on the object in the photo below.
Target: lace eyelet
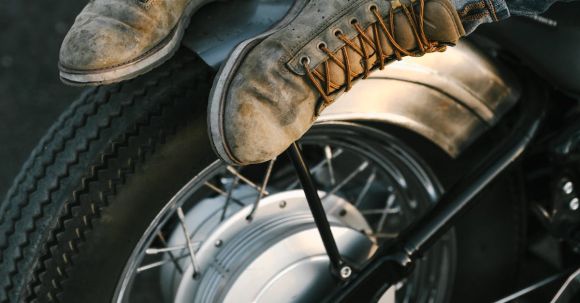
(144, 3)
(321, 45)
(305, 60)
(353, 21)
(373, 8)
(337, 32)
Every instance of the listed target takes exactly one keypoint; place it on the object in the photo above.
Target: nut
(345, 272)
(568, 187)
(574, 204)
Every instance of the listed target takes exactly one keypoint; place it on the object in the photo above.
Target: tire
(95, 181)
(99, 177)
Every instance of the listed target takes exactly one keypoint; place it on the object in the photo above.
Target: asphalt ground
(31, 95)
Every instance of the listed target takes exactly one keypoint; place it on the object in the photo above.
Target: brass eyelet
(305, 60)
(337, 32)
(353, 21)
(373, 8)
(321, 45)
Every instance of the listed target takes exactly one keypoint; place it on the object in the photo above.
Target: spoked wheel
(124, 201)
(251, 237)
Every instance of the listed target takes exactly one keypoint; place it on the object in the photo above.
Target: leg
(476, 12)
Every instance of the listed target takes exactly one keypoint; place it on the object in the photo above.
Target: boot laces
(322, 82)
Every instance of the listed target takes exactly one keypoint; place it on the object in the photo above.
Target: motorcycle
(447, 178)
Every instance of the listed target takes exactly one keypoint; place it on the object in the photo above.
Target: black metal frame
(394, 260)
(315, 205)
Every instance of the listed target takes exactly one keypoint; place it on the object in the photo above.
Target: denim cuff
(476, 12)
(499, 9)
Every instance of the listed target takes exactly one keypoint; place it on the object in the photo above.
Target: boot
(271, 89)
(115, 40)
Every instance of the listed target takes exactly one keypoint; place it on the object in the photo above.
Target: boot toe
(97, 43)
(252, 135)
(260, 121)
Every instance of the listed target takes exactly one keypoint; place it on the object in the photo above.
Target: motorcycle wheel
(99, 211)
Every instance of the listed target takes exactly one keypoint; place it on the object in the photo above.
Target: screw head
(568, 187)
(345, 272)
(574, 204)
(218, 243)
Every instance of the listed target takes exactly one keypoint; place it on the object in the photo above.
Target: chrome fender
(450, 98)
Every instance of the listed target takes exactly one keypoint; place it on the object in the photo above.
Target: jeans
(476, 12)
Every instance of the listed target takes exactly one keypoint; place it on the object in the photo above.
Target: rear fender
(450, 98)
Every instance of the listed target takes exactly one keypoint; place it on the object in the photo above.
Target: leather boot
(115, 40)
(271, 89)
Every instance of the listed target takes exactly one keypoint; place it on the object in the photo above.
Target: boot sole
(138, 66)
(222, 81)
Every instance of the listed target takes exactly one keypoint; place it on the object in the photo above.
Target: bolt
(282, 204)
(574, 204)
(568, 187)
(345, 272)
(218, 243)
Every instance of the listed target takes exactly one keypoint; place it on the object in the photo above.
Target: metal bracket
(339, 266)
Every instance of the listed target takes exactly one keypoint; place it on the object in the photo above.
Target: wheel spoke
(348, 178)
(530, 288)
(229, 197)
(328, 155)
(181, 217)
(253, 185)
(379, 211)
(223, 193)
(366, 188)
(380, 235)
(316, 168)
(262, 189)
(171, 255)
(156, 251)
(389, 204)
(159, 263)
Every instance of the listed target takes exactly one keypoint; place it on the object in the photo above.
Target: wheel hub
(278, 255)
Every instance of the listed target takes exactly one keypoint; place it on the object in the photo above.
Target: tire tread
(39, 239)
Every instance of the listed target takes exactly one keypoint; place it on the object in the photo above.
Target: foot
(115, 40)
(271, 89)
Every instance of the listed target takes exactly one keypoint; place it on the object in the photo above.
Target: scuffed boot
(271, 89)
(115, 40)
